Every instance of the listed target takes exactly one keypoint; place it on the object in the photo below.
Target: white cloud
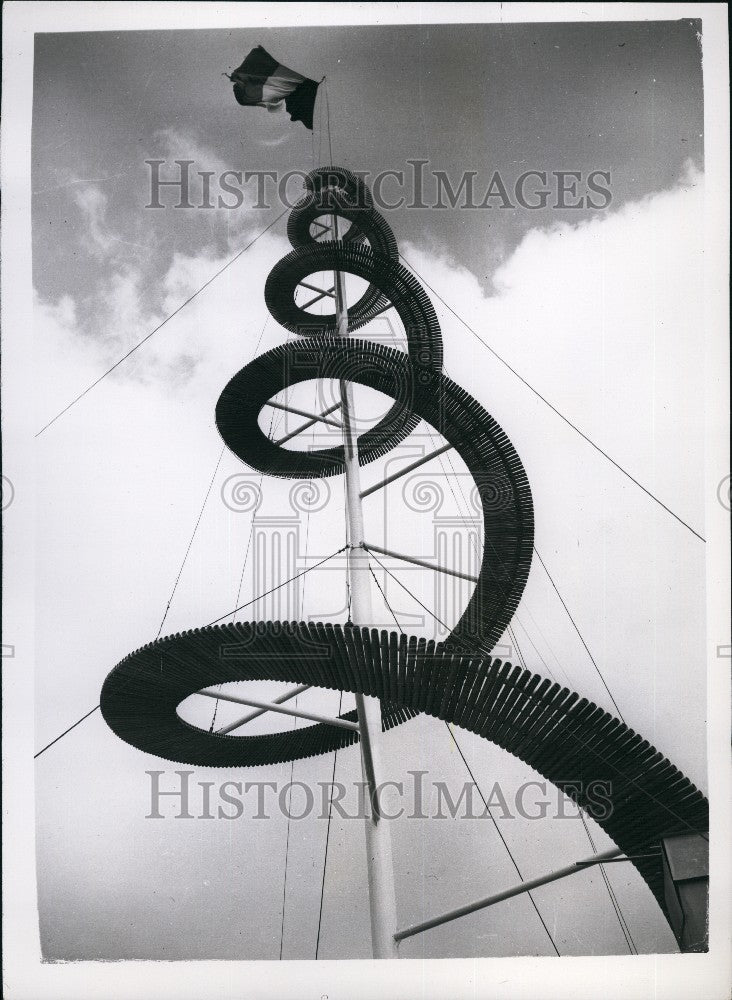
(92, 202)
(601, 317)
(204, 185)
(97, 235)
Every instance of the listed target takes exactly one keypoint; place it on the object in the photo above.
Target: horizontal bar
(270, 706)
(304, 413)
(420, 562)
(305, 426)
(311, 302)
(292, 693)
(405, 470)
(630, 857)
(314, 288)
(480, 904)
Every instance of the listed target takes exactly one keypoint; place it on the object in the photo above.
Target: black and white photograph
(365, 501)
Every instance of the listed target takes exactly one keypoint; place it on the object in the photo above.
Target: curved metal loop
(552, 729)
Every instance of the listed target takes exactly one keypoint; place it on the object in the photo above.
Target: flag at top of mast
(262, 82)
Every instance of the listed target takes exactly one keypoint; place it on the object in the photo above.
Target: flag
(262, 82)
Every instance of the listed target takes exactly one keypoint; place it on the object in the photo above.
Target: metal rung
(420, 562)
(480, 904)
(311, 302)
(304, 413)
(314, 288)
(305, 426)
(292, 693)
(405, 470)
(629, 857)
(271, 706)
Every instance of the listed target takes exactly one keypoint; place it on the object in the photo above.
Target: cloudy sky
(600, 310)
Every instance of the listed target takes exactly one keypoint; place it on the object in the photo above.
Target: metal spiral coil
(562, 736)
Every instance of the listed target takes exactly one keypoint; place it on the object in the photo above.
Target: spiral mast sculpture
(394, 677)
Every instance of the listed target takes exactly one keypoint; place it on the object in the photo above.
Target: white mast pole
(382, 898)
